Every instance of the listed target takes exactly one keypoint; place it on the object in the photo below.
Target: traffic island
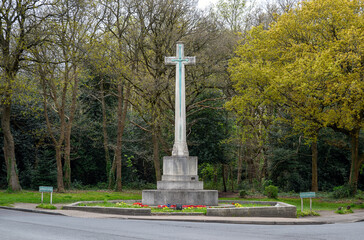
(225, 209)
(276, 209)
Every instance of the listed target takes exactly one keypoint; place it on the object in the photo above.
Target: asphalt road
(24, 225)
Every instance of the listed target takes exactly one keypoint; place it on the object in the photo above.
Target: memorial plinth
(180, 184)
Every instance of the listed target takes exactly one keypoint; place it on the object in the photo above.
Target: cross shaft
(180, 144)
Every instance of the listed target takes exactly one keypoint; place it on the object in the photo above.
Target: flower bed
(114, 204)
(185, 209)
(246, 205)
(159, 208)
(226, 209)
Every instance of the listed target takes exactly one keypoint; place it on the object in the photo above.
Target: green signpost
(307, 195)
(43, 189)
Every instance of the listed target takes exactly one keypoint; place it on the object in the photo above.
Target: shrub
(271, 191)
(243, 193)
(342, 210)
(360, 195)
(343, 191)
(77, 184)
(307, 213)
(46, 206)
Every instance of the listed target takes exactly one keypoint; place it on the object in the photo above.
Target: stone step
(184, 197)
(179, 185)
(179, 178)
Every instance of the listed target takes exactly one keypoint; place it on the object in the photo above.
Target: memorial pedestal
(180, 185)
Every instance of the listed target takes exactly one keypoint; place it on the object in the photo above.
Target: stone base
(180, 165)
(184, 197)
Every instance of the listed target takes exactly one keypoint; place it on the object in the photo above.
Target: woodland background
(276, 96)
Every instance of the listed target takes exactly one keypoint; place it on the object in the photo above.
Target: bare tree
(19, 25)
(59, 65)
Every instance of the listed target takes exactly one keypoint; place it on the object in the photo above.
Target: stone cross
(180, 144)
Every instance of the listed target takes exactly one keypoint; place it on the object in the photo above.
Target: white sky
(204, 3)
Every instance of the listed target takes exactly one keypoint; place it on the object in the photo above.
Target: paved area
(327, 217)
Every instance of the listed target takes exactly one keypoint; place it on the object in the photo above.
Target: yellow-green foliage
(307, 213)
(310, 60)
(344, 211)
(47, 206)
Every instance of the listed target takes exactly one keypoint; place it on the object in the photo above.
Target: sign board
(307, 194)
(45, 189)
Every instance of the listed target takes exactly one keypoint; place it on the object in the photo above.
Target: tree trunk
(60, 185)
(67, 156)
(155, 133)
(163, 142)
(314, 183)
(156, 160)
(224, 173)
(67, 153)
(104, 131)
(67, 161)
(250, 169)
(231, 177)
(355, 162)
(122, 110)
(9, 148)
(215, 175)
(240, 164)
(119, 139)
(111, 174)
(57, 143)
(263, 172)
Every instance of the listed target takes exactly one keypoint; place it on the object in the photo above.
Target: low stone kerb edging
(277, 209)
(109, 210)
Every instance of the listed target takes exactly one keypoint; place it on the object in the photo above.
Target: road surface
(24, 225)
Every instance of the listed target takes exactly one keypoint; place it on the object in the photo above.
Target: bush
(101, 185)
(46, 206)
(77, 184)
(306, 213)
(342, 210)
(360, 195)
(271, 191)
(343, 191)
(243, 193)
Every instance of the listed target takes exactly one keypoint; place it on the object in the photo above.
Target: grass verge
(318, 204)
(7, 199)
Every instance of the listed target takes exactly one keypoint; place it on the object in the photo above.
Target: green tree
(60, 71)
(19, 32)
(232, 13)
(310, 61)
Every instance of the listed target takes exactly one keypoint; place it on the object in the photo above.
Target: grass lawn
(317, 203)
(7, 199)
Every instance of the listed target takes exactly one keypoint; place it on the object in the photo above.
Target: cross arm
(170, 60)
(174, 60)
(190, 60)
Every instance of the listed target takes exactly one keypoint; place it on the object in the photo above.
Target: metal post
(42, 197)
(301, 204)
(51, 198)
(311, 204)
